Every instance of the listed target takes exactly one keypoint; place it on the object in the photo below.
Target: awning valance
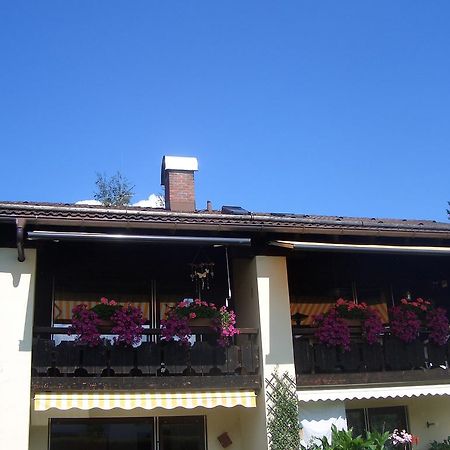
(314, 395)
(362, 248)
(111, 400)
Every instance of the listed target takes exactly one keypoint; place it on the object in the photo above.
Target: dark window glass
(102, 434)
(185, 433)
(356, 421)
(387, 419)
(376, 419)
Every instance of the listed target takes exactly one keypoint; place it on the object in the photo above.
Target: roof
(63, 214)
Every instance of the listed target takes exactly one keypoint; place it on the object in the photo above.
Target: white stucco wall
(317, 418)
(429, 409)
(275, 315)
(262, 301)
(16, 318)
(253, 421)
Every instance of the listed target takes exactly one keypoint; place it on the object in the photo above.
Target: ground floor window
(171, 433)
(376, 419)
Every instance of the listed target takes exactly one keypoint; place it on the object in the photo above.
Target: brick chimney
(177, 177)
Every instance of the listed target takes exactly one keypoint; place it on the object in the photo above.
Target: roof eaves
(63, 214)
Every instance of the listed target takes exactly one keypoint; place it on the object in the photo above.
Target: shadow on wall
(16, 276)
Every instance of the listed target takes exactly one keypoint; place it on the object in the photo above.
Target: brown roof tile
(64, 214)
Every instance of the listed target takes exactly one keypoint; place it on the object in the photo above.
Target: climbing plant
(282, 411)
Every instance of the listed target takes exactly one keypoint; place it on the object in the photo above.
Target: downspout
(20, 235)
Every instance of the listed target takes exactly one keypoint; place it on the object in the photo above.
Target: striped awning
(311, 308)
(368, 392)
(62, 309)
(110, 400)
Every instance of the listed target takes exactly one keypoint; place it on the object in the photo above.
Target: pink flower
(176, 326)
(104, 301)
(113, 303)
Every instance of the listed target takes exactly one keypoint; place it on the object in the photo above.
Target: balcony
(154, 364)
(389, 361)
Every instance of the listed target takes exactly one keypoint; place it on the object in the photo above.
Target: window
(376, 419)
(187, 433)
(102, 434)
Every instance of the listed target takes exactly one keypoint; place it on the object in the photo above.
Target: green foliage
(105, 311)
(113, 191)
(282, 424)
(444, 445)
(377, 440)
(344, 440)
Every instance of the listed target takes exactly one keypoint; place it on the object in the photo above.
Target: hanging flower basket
(186, 315)
(108, 316)
(333, 327)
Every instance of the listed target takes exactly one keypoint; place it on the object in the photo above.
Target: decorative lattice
(282, 412)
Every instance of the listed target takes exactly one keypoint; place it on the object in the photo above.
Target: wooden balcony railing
(152, 358)
(389, 355)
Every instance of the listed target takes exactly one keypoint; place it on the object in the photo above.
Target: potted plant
(123, 321)
(403, 439)
(186, 314)
(407, 319)
(333, 327)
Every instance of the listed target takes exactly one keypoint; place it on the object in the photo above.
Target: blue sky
(319, 106)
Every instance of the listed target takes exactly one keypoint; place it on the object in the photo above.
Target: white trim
(315, 395)
(180, 163)
(299, 245)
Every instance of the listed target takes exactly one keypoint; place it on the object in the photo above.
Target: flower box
(200, 322)
(108, 316)
(410, 317)
(198, 313)
(333, 327)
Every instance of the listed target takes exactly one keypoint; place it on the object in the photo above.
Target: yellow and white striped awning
(167, 400)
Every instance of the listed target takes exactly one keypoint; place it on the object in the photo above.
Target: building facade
(277, 271)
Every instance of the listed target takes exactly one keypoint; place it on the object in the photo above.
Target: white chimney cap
(187, 163)
(180, 163)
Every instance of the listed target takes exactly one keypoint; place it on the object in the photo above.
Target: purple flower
(437, 324)
(176, 325)
(405, 323)
(127, 324)
(332, 330)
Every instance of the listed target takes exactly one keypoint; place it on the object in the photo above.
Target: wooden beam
(392, 378)
(178, 383)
